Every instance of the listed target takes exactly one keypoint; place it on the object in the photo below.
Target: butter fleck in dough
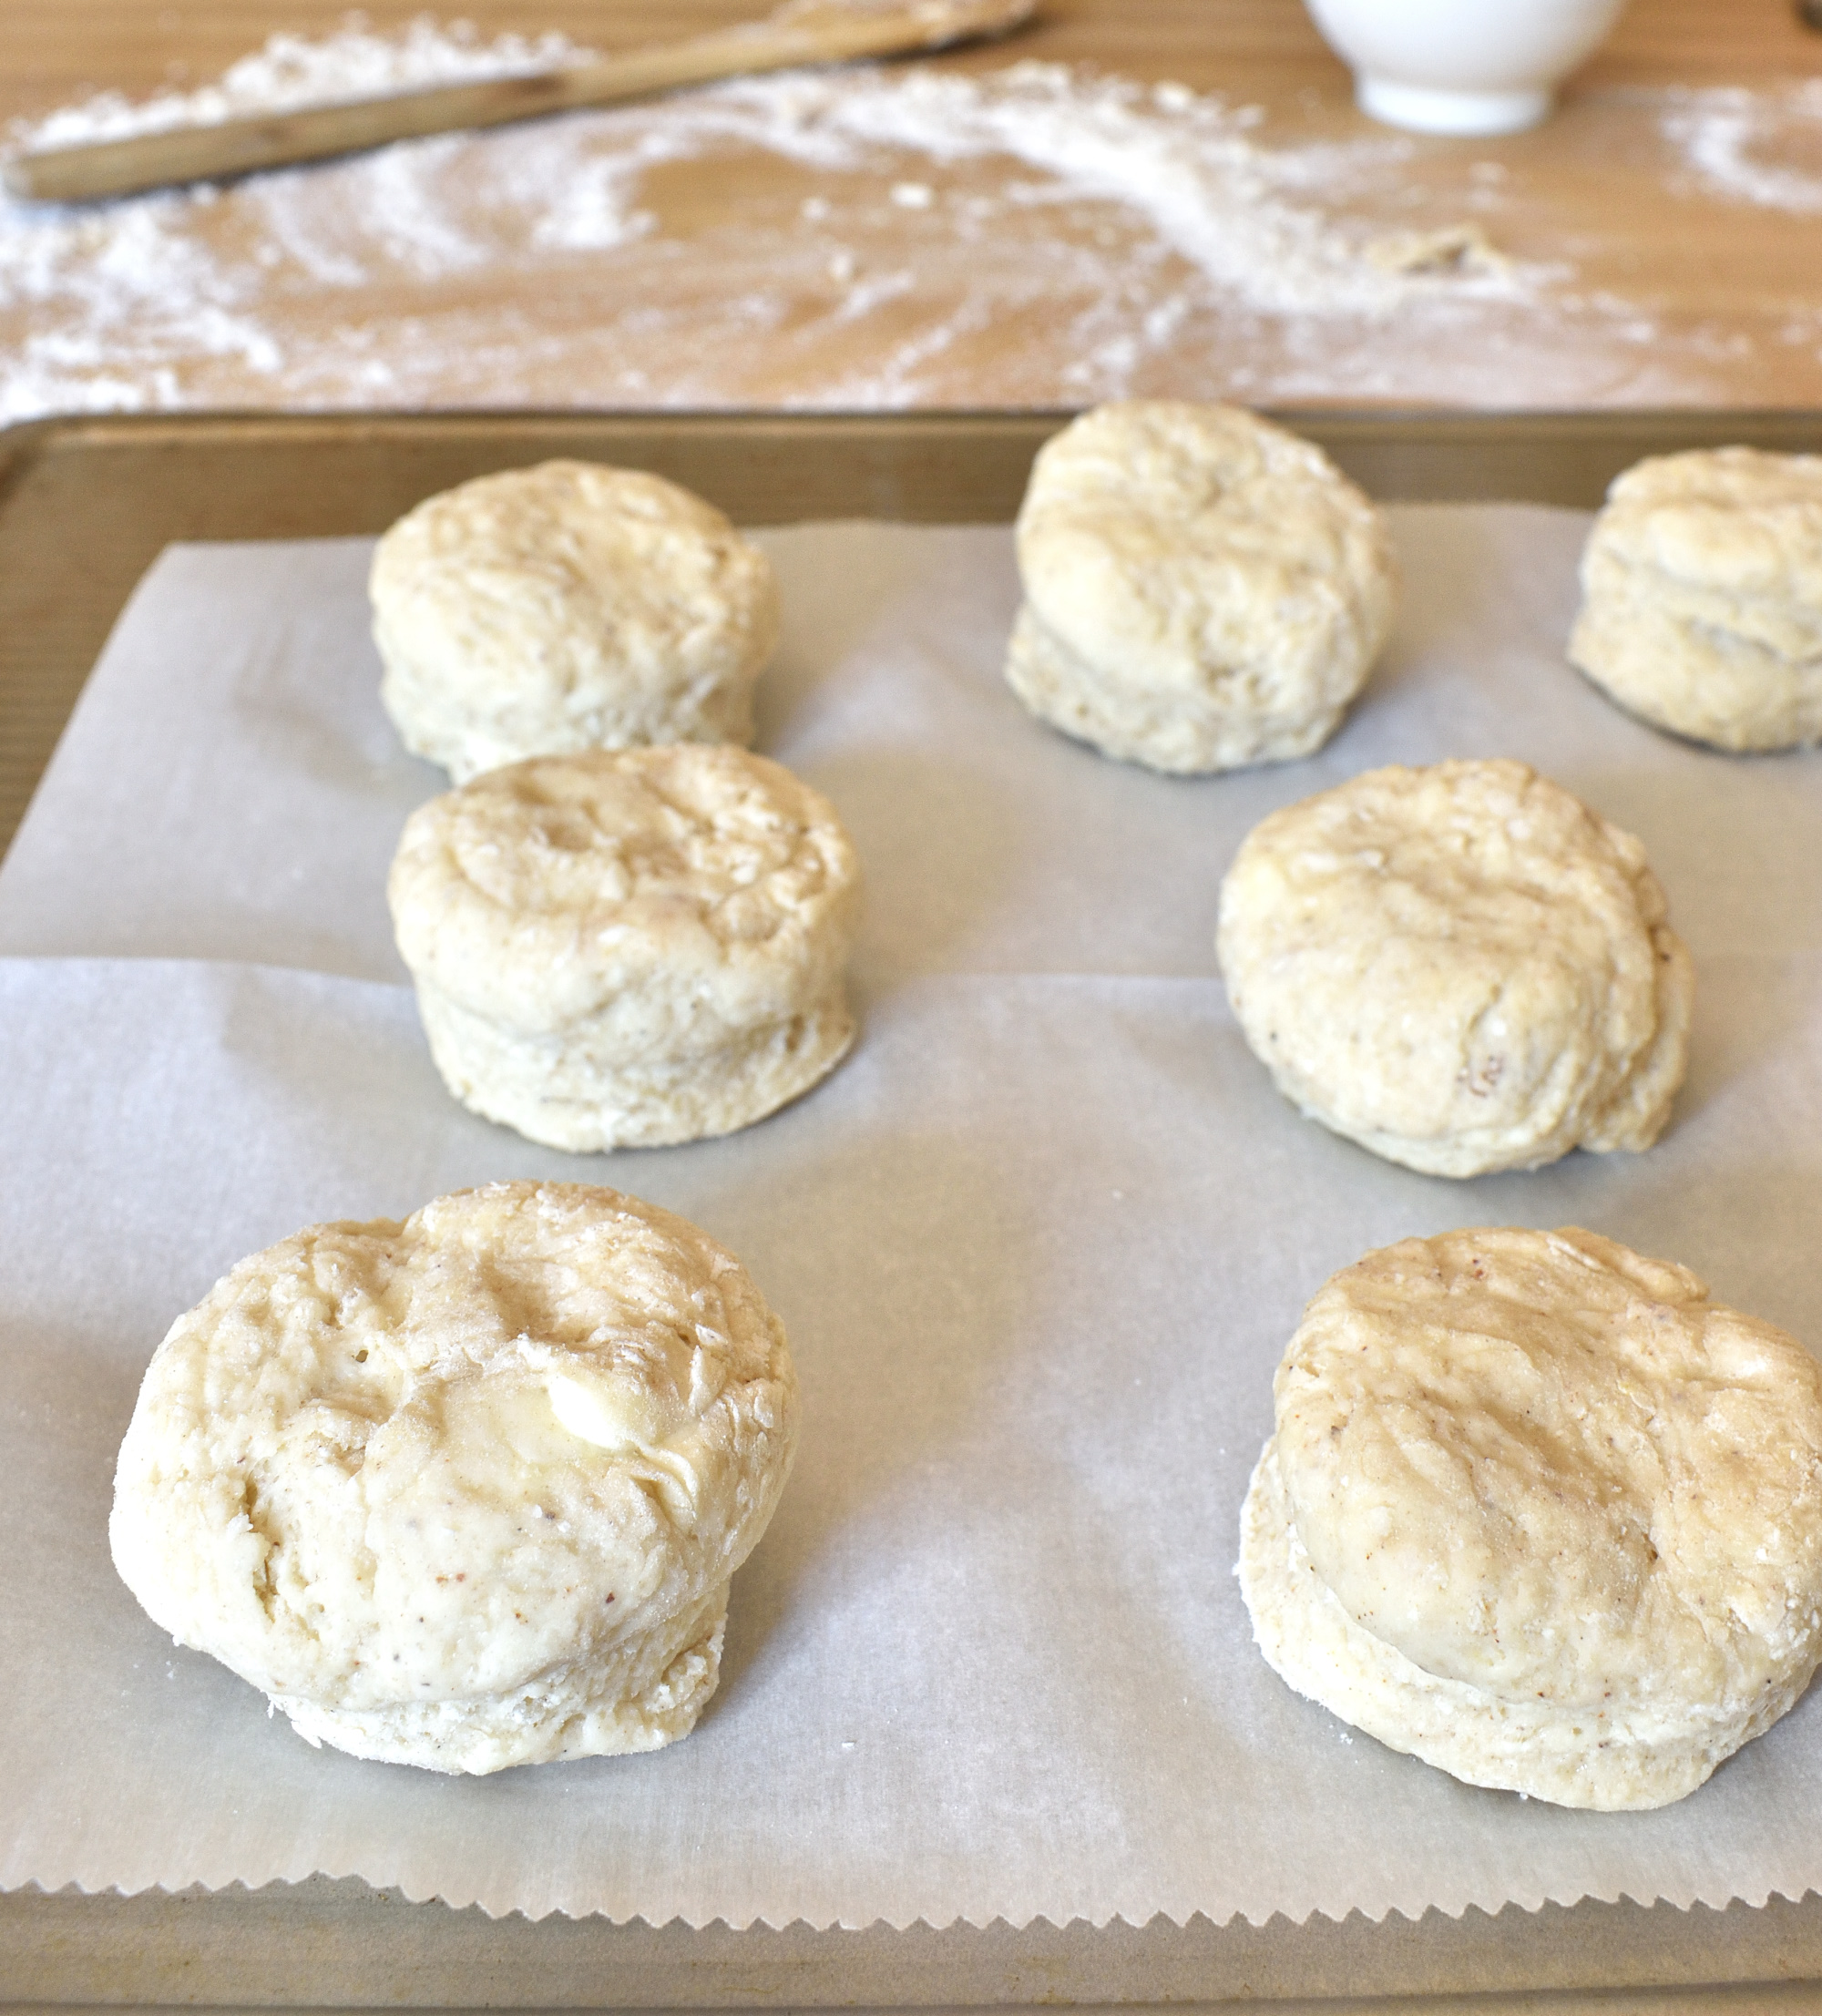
(464, 1491)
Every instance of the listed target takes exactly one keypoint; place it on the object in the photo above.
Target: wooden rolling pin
(806, 31)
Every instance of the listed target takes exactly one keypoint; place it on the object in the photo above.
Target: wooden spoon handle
(803, 34)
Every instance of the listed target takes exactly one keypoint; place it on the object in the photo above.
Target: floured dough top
(1461, 967)
(385, 1463)
(1193, 546)
(569, 606)
(1543, 1464)
(690, 883)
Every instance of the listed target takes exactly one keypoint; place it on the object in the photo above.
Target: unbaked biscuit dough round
(630, 948)
(1702, 597)
(1460, 967)
(1202, 590)
(568, 607)
(464, 1491)
(1537, 1512)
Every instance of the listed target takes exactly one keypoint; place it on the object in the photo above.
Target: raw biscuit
(1702, 597)
(1537, 1512)
(630, 948)
(1460, 967)
(464, 1491)
(568, 607)
(1202, 590)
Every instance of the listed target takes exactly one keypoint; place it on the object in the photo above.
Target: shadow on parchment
(939, 847)
(862, 589)
(912, 1272)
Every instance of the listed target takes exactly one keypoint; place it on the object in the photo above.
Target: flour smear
(1753, 148)
(877, 239)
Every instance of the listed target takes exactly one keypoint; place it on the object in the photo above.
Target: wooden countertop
(1658, 241)
(1247, 46)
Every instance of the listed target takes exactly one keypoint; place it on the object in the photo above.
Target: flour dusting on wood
(1753, 147)
(877, 238)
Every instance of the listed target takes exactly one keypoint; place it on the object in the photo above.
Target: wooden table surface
(865, 244)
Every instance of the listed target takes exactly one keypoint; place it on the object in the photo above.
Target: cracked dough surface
(567, 607)
(623, 949)
(1537, 1512)
(1702, 597)
(1460, 967)
(1202, 590)
(464, 1491)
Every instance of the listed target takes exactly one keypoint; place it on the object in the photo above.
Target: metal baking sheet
(84, 507)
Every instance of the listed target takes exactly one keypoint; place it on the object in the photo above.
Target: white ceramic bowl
(1462, 66)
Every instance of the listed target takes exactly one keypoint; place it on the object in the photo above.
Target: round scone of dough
(1702, 597)
(1202, 590)
(464, 1491)
(568, 607)
(1536, 1510)
(623, 949)
(1460, 967)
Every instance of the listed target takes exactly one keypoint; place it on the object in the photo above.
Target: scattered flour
(883, 237)
(1731, 140)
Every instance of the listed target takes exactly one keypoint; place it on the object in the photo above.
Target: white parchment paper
(1038, 1243)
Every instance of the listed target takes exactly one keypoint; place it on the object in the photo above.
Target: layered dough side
(1613, 1760)
(1203, 590)
(1536, 1510)
(567, 607)
(1702, 597)
(624, 949)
